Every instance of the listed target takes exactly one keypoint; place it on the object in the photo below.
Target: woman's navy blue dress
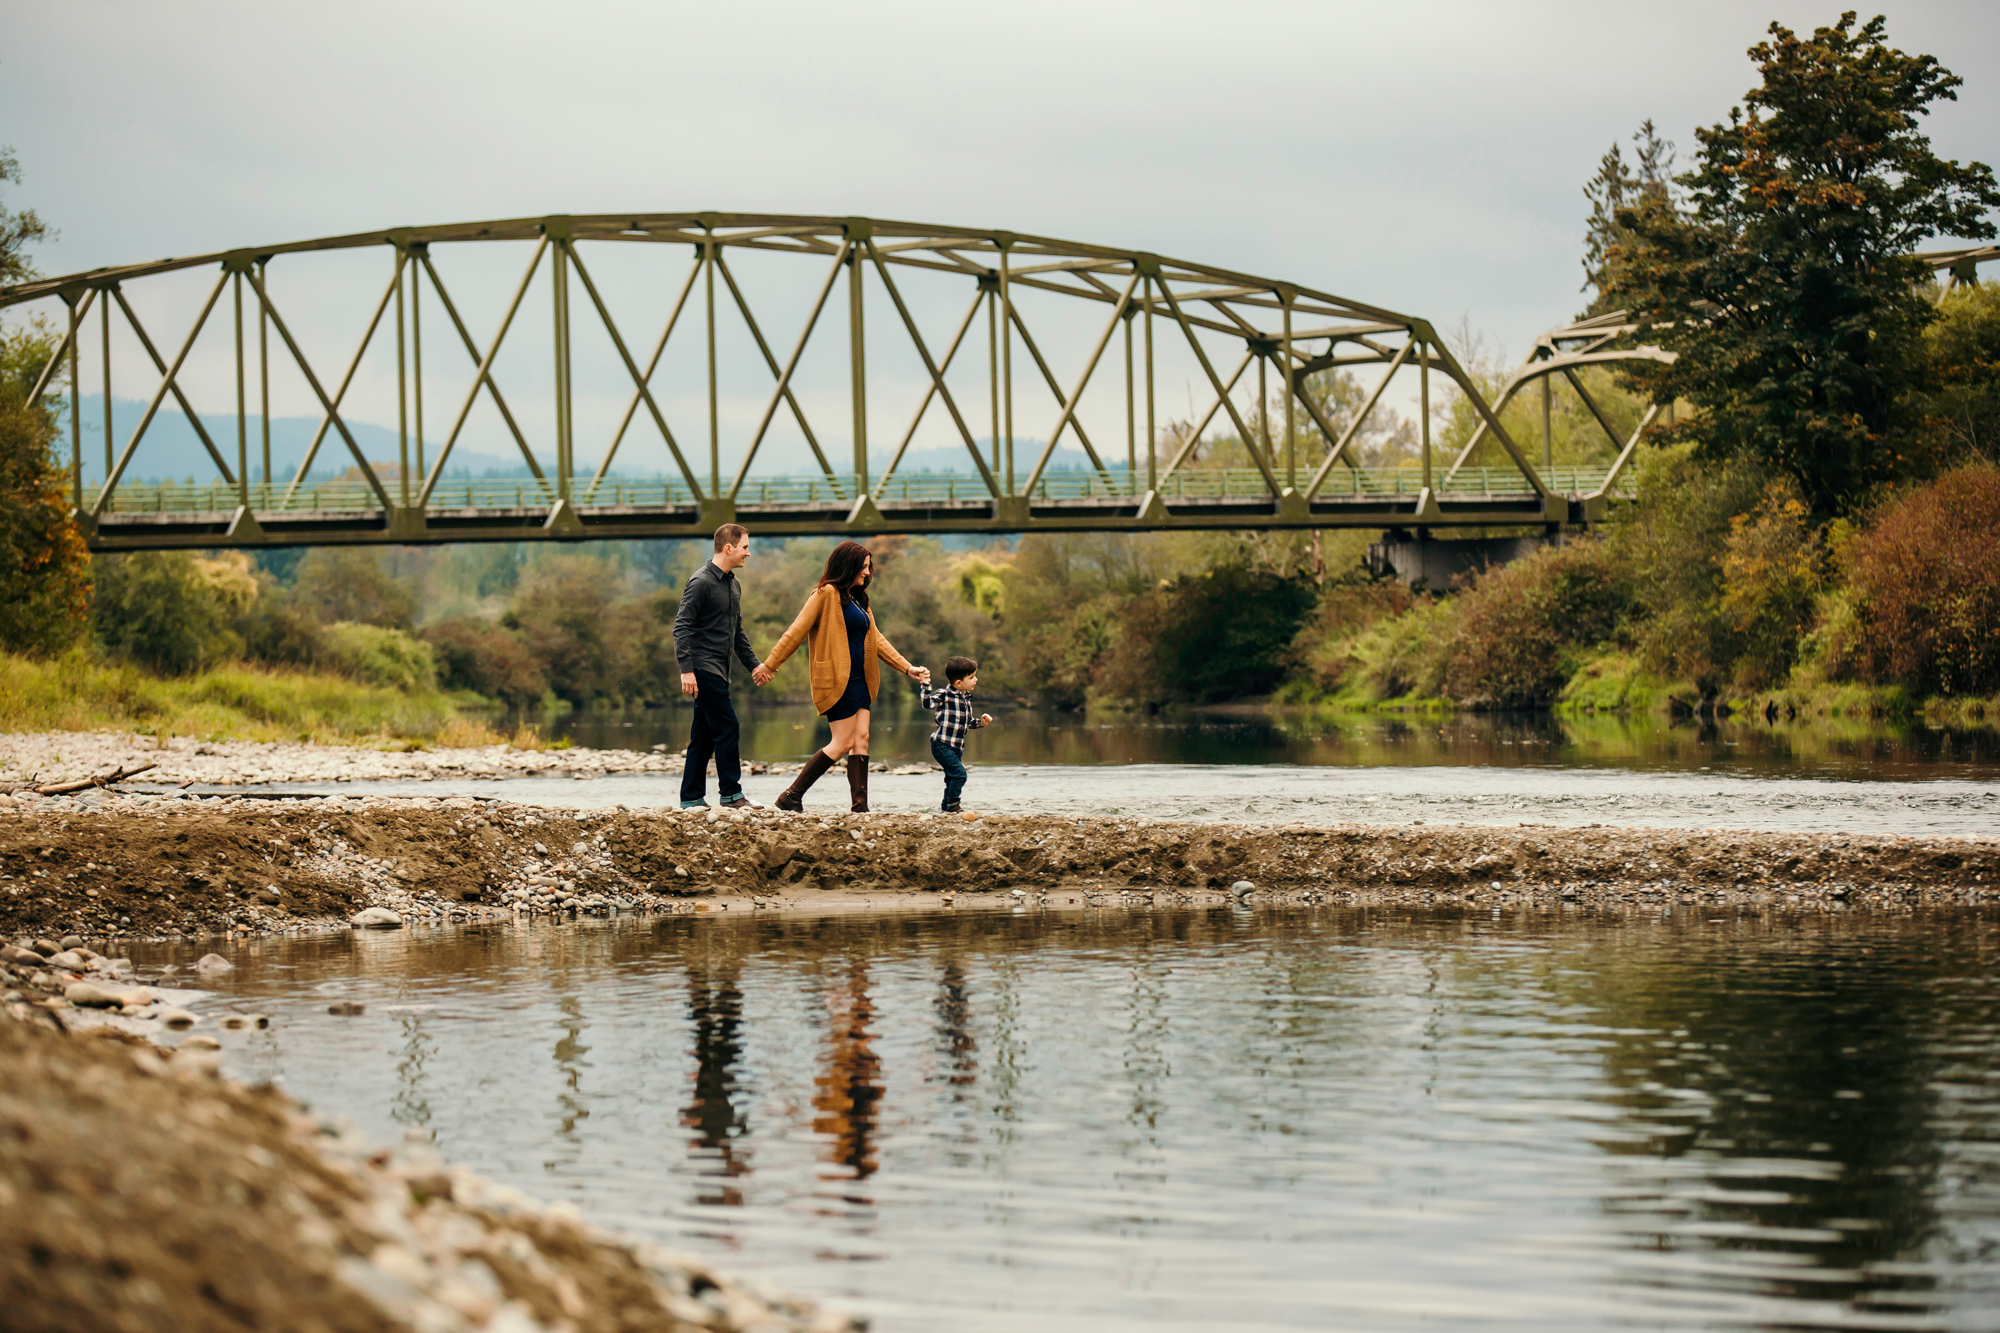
(855, 697)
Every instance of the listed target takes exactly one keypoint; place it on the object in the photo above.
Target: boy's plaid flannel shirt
(954, 713)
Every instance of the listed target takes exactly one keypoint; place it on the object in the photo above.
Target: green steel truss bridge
(992, 383)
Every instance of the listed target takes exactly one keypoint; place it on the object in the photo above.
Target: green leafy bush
(487, 660)
(1671, 541)
(1522, 627)
(1323, 655)
(375, 655)
(349, 583)
(1952, 413)
(169, 611)
(1219, 634)
(1773, 571)
(44, 567)
(1407, 655)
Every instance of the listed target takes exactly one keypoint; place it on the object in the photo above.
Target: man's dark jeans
(953, 764)
(714, 736)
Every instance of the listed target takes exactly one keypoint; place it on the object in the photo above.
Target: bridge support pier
(406, 523)
(715, 511)
(244, 527)
(563, 521)
(1437, 563)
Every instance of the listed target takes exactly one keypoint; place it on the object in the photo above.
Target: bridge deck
(168, 514)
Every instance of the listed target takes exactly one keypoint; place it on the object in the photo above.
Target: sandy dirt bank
(138, 1191)
(70, 756)
(153, 865)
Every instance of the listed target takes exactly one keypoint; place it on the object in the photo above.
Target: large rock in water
(380, 918)
(90, 995)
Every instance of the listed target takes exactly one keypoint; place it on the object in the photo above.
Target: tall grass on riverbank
(77, 692)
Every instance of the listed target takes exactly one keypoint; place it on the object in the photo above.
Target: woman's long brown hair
(843, 572)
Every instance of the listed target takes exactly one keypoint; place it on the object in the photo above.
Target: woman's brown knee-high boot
(793, 797)
(857, 782)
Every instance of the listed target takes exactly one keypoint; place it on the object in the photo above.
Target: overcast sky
(1423, 156)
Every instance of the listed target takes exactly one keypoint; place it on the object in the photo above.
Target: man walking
(708, 628)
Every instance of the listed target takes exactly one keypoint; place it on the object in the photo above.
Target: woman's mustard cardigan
(823, 629)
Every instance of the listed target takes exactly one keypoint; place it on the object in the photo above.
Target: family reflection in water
(847, 1089)
(715, 1011)
(1706, 1117)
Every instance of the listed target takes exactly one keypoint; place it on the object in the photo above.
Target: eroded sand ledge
(140, 1191)
(153, 866)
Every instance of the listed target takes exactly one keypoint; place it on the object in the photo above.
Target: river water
(1258, 764)
(1246, 1118)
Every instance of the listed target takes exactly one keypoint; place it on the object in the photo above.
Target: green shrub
(44, 567)
(1323, 657)
(1405, 656)
(1226, 632)
(165, 610)
(1773, 570)
(78, 692)
(1953, 412)
(1522, 628)
(378, 656)
(349, 583)
(282, 633)
(487, 660)
(1672, 541)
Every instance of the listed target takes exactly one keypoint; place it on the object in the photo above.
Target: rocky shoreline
(226, 1207)
(118, 865)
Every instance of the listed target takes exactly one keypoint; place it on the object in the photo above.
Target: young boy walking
(953, 705)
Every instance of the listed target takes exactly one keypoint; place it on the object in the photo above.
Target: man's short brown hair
(729, 534)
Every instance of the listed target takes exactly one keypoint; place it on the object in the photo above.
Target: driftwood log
(82, 784)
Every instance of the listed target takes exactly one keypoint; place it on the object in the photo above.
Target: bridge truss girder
(1146, 301)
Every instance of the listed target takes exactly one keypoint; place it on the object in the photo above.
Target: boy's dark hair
(958, 668)
(729, 534)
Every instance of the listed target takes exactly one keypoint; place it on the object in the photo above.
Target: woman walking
(842, 644)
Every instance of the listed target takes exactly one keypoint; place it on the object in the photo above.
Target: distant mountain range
(171, 451)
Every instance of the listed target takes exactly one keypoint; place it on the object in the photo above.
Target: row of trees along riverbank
(1815, 530)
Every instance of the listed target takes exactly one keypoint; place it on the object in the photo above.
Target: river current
(1245, 1118)
(1282, 765)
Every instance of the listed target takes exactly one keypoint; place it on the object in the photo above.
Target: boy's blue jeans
(953, 765)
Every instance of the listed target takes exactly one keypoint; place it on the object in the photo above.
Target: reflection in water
(850, 1079)
(569, 1054)
(1262, 734)
(715, 1009)
(955, 1042)
(1781, 1107)
(412, 1106)
(1267, 1117)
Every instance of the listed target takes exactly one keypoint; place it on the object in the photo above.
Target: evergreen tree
(1787, 285)
(1612, 191)
(17, 230)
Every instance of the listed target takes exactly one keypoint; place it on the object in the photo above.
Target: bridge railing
(808, 491)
